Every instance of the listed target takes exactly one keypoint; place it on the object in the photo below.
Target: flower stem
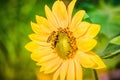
(95, 74)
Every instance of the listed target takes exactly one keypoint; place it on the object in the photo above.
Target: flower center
(63, 42)
(63, 45)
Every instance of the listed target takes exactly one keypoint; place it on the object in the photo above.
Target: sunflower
(62, 44)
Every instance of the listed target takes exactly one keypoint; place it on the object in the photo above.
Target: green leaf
(103, 41)
(108, 17)
(112, 54)
(116, 40)
(86, 18)
(111, 51)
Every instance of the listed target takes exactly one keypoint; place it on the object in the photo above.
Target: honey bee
(51, 36)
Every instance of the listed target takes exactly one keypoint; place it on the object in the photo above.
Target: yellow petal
(37, 55)
(39, 29)
(51, 64)
(77, 18)
(35, 47)
(71, 70)
(85, 60)
(41, 20)
(37, 37)
(47, 58)
(97, 60)
(44, 44)
(31, 46)
(44, 21)
(63, 70)
(86, 44)
(80, 29)
(60, 12)
(70, 9)
(92, 31)
(42, 68)
(78, 70)
(90, 60)
(51, 18)
(42, 76)
(56, 75)
(54, 67)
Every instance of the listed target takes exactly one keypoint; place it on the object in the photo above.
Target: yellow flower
(62, 44)
(42, 76)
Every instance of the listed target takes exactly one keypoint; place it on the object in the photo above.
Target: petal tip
(46, 7)
(82, 12)
(37, 16)
(27, 46)
(32, 23)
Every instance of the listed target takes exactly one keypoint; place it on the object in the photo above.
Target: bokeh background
(15, 18)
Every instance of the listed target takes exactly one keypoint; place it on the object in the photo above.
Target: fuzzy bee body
(51, 36)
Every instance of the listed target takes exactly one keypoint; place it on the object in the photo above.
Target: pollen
(63, 42)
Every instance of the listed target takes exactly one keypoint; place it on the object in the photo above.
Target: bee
(51, 36)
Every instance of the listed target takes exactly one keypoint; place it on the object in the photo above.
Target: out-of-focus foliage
(107, 14)
(116, 40)
(15, 15)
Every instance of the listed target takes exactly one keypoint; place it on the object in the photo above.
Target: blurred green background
(15, 17)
